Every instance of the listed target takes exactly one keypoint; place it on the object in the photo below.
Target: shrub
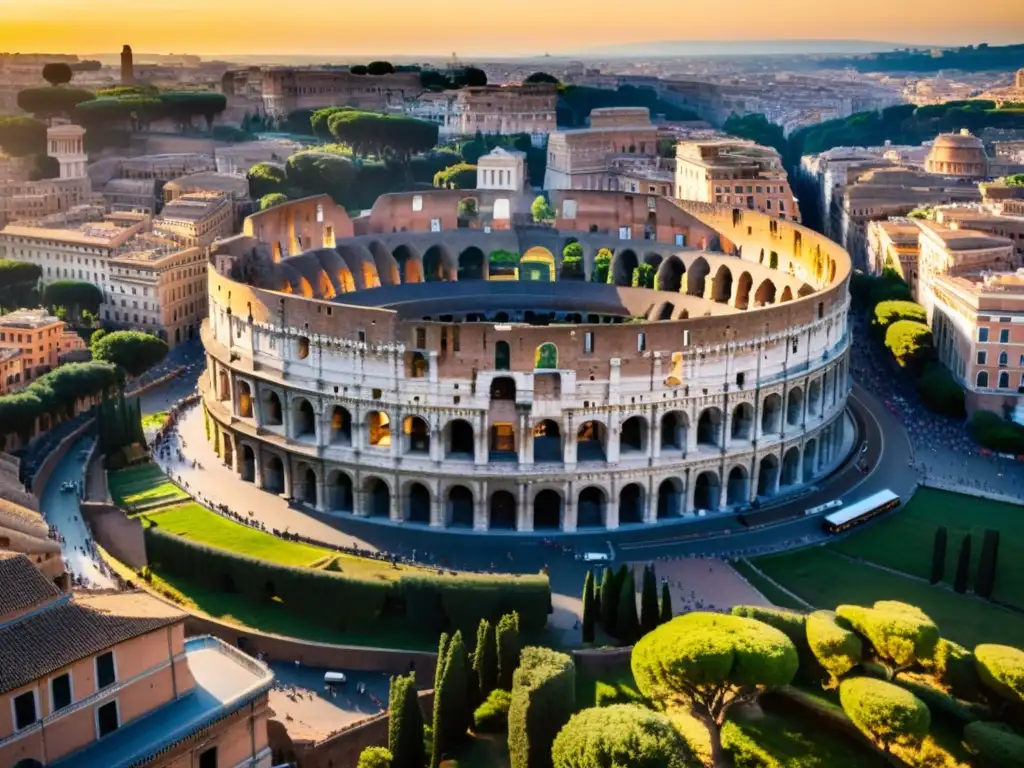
(649, 601)
(954, 667)
(900, 634)
(621, 735)
(609, 601)
(627, 625)
(492, 715)
(541, 210)
(985, 580)
(885, 713)
(73, 295)
(265, 179)
(509, 649)
(374, 757)
(543, 699)
(996, 745)
(910, 342)
(888, 312)
(452, 715)
(602, 266)
(589, 607)
(837, 648)
(274, 198)
(793, 625)
(458, 176)
(1001, 670)
(996, 433)
(643, 276)
(134, 351)
(405, 723)
(485, 658)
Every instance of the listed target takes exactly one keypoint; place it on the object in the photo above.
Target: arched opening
(633, 435)
(771, 414)
(472, 264)
(810, 459)
(223, 386)
(272, 412)
(746, 282)
(273, 474)
(502, 509)
(306, 490)
(302, 347)
(721, 285)
(460, 507)
(791, 467)
(503, 442)
(410, 265)
(767, 475)
(339, 491)
(665, 310)
(417, 504)
(459, 443)
(547, 442)
(670, 275)
(387, 268)
(304, 425)
(631, 505)
(814, 398)
(417, 435)
(435, 266)
(765, 293)
(673, 431)
(742, 422)
(229, 450)
(248, 464)
(670, 498)
(503, 388)
(379, 429)
(787, 295)
(707, 491)
(502, 356)
(341, 426)
(546, 356)
(547, 510)
(709, 427)
(244, 400)
(696, 276)
(591, 441)
(591, 506)
(623, 264)
(418, 367)
(794, 406)
(377, 496)
(737, 490)
(537, 264)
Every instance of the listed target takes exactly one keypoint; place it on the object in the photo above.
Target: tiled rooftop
(22, 586)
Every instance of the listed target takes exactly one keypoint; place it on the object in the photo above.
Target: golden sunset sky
(439, 27)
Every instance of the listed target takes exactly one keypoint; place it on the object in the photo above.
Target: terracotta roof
(75, 628)
(22, 585)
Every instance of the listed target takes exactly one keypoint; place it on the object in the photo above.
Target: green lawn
(903, 541)
(618, 676)
(142, 487)
(826, 579)
(767, 588)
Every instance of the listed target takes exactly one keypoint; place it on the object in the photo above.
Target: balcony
(226, 680)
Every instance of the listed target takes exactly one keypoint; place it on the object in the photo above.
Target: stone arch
(674, 426)
(437, 264)
(664, 311)
(228, 449)
(472, 264)
(743, 286)
(670, 498)
(248, 465)
(807, 290)
(767, 475)
(459, 440)
(306, 487)
(653, 259)
(591, 508)
(737, 490)
(503, 442)
(376, 497)
(271, 412)
(545, 356)
(547, 510)
(460, 507)
(223, 385)
(341, 426)
(721, 285)
(502, 510)
(303, 419)
(378, 424)
(417, 504)
(791, 466)
(591, 441)
(272, 473)
(633, 435)
(623, 264)
(416, 432)
(244, 395)
(707, 490)
(339, 491)
(537, 264)
(360, 263)
(387, 268)
(771, 414)
(810, 459)
(765, 293)
(338, 271)
(503, 388)
(787, 295)
(417, 366)
(814, 397)
(794, 406)
(696, 276)
(410, 264)
(669, 276)
(547, 442)
(631, 505)
(709, 427)
(742, 422)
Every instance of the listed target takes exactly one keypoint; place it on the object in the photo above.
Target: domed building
(958, 154)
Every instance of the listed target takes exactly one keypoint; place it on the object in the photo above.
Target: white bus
(861, 511)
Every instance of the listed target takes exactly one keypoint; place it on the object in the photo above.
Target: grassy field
(766, 588)
(903, 541)
(154, 420)
(826, 579)
(142, 487)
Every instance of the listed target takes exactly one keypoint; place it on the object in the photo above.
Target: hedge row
(543, 700)
(425, 603)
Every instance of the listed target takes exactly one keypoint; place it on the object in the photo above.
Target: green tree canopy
(405, 724)
(57, 73)
(543, 700)
(643, 276)
(73, 295)
(471, 77)
(374, 757)
(996, 745)
(458, 176)
(885, 713)
(888, 312)
(134, 351)
(1001, 669)
(274, 198)
(47, 103)
(541, 210)
(485, 658)
(940, 391)
(602, 266)
(492, 715)
(380, 68)
(900, 635)
(320, 173)
(266, 179)
(384, 135)
(757, 128)
(619, 736)
(910, 342)
(21, 136)
(836, 647)
(541, 77)
(996, 433)
(182, 106)
(17, 280)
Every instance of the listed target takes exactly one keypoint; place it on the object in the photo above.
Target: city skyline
(405, 28)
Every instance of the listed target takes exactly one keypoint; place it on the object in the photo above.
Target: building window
(1004, 335)
(1003, 359)
(208, 759)
(421, 338)
(107, 719)
(982, 357)
(982, 380)
(983, 334)
(1004, 380)
(686, 338)
(588, 342)
(106, 670)
(60, 691)
(641, 342)
(25, 710)
(417, 202)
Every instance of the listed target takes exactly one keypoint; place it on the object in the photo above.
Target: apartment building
(583, 158)
(12, 370)
(197, 218)
(40, 337)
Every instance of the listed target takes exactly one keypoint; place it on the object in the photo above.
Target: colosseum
(438, 363)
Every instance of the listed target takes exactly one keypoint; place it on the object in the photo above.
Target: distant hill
(681, 48)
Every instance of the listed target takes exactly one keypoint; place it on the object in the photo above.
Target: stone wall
(118, 534)
(42, 476)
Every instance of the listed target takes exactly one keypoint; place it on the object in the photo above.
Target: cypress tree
(609, 601)
(985, 581)
(597, 600)
(485, 659)
(963, 565)
(627, 626)
(140, 433)
(509, 648)
(439, 713)
(938, 555)
(649, 601)
(405, 724)
(666, 604)
(459, 713)
(588, 608)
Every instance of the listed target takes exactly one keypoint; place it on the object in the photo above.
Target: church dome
(957, 154)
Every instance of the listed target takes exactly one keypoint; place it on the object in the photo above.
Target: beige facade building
(501, 169)
(505, 110)
(40, 337)
(893, 244)
(12, 370)
(582, 158)
(197, 218)
(960, 155)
